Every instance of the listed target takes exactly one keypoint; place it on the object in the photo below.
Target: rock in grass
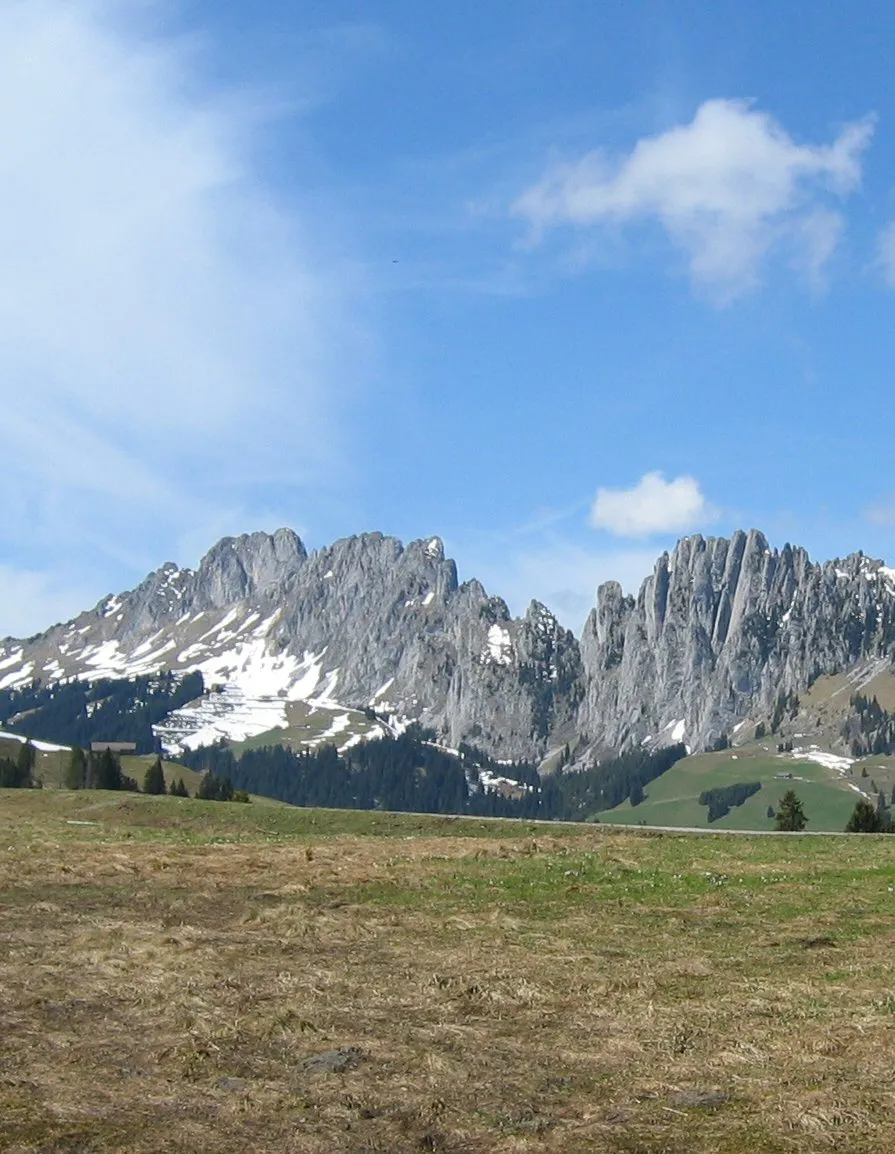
(333, 1061)
(234, 1084)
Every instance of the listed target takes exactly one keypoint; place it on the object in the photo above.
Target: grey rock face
(719, 630)
(235, 569)
(366, 622)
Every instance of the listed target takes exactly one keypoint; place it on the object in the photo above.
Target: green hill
(828, 797)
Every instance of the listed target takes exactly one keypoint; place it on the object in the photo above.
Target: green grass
(673, 798)
(165, 819)
(168, 970)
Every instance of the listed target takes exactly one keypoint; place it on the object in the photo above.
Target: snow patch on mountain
(17, 677)
(500, 646)
(225, 713)
(823, 757)
(381, 691)
(41, 746)
(250, 688)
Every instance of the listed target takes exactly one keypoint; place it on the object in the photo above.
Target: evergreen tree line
(869, 818)
(86, 770)
(214, 788)
(407, 773)
(101, 770)
(475, 759)
(870, 730)
(18, 772)
(575, 795)
(81, 712)
(725, 798)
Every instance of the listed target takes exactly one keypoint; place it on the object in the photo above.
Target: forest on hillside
(80, 712)
(411, 773)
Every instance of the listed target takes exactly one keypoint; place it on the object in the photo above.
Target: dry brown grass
(562, 992)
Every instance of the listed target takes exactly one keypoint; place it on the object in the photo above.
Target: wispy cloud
(652, 506)
(727, 188)
(168, 331)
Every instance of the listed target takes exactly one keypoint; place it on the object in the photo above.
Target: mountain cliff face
(365, 623)
(715, 635)
(719, 630)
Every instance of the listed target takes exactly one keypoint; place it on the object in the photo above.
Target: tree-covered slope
(81, 712)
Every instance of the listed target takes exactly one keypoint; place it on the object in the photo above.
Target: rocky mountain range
(369, 634)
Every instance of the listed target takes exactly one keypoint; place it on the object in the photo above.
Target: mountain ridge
(716, 633)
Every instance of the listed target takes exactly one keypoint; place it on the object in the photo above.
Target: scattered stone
(235, 1084)
(699, 1099)
(333, 1061)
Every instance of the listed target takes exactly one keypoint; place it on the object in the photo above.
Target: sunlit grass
(168, 971)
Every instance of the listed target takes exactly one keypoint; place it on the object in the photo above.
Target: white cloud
(816, 237)
(727, 188)
(169, 333)
(653, 505)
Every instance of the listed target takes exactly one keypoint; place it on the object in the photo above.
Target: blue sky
(556, 281)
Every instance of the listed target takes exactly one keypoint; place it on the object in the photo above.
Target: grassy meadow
(827, 796)
(195, 976)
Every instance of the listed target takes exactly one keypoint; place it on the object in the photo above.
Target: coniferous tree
(214, 788)
(770, 812)
(864, 819)
(178, 789)
(154, 779)
(25, 765)
(9, 774)
(790, 815)
(723, 798)
(76, 771)
(107, 771)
